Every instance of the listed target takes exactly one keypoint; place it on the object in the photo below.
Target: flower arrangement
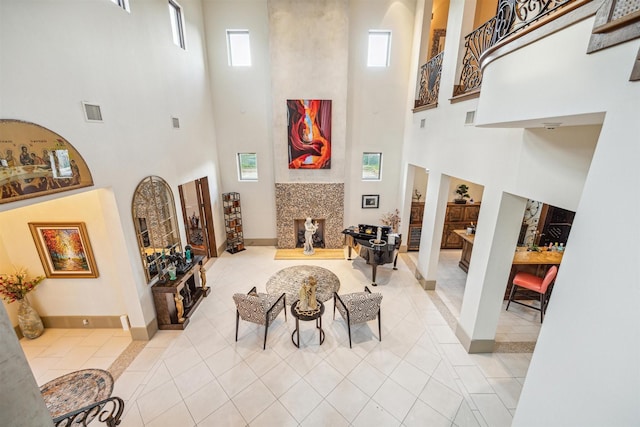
(14, 287)
(416, 194)
(392, 219)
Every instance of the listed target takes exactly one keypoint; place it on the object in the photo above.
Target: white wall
(242, 108)
(377, 105)
(57, 54)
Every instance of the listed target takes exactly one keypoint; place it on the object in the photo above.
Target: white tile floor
(519, 324)
(418, 375)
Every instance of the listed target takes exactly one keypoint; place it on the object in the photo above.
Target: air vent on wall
(92, 112)
(422, 122)
(176, 122)
(471, 116)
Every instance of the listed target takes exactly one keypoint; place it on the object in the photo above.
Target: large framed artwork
(35, 161)
(309, 133)
(64, 249)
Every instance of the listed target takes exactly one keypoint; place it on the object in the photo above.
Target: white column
(21, 403)
(493, 249)
(435, 208)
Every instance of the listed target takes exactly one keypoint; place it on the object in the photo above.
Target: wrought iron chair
(540, 285)
(259, 308)
(358, 307)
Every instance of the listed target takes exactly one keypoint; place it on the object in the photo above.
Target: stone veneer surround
(318, 201)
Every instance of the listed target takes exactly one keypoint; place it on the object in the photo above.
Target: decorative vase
(29, 320)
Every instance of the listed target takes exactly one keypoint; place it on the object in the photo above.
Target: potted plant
(15, 287)
(463, 193)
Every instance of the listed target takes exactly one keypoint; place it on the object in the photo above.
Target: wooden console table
(189, 287)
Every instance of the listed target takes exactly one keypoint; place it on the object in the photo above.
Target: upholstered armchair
(259, 308)
(358, 307)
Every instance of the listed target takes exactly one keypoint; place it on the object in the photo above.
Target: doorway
(198, 217)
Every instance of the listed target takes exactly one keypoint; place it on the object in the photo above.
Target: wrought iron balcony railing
(475, 45)
(108, 412)
(513, 18)
(430, 82)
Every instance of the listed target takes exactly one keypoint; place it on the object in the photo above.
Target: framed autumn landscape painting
(64, 249)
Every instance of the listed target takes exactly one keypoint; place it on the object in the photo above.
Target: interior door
(206, 214)
(198, 217)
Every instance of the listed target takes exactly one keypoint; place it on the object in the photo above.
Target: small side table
(317, 316)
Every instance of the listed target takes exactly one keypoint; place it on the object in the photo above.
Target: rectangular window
(177, 23)
(247, 166)
(371, 166)
(238, 48)
(379, 48)
(122, 3)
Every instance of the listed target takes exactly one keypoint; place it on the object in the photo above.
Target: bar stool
(536, 284)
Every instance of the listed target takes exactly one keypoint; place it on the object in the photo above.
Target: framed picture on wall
(64, 249)
(370, 201)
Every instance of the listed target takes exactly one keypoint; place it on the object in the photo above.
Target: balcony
(514, 19)
(429, 83)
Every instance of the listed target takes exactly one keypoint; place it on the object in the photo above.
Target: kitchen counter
(531, 262)
(467, 247)
(548, 258)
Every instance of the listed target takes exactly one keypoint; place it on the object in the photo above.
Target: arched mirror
(154, 217)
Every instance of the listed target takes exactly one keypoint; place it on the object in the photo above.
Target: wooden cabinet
(188, 287)
(417, 212)
(457, 217)
(233, 222)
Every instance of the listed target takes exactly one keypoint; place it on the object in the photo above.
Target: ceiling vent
(471, 117)
(92, 112)
(175, 122)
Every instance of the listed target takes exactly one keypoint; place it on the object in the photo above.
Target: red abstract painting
(309, 133)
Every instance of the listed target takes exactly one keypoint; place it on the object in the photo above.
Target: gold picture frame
(64, 249)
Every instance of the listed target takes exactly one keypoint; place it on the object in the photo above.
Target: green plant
(462, 191)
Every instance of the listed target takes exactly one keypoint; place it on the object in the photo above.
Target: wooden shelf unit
(188, 285)
(233, 222)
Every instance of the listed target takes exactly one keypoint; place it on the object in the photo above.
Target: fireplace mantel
(310, 200)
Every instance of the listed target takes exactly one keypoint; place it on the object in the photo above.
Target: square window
(238, 48)
(177, 23)
(371, 166)
(247, 166)
(379, 48)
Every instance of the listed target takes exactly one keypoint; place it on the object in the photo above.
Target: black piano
(363, 241)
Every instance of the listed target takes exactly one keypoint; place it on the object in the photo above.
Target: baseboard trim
(261, 242)
(146, 333)
(428, 285)
(76, 322)
(474, 346)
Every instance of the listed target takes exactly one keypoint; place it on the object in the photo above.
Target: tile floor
(519, 324)
(418, 375)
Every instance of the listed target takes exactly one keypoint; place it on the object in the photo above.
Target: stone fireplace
(298, 201)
